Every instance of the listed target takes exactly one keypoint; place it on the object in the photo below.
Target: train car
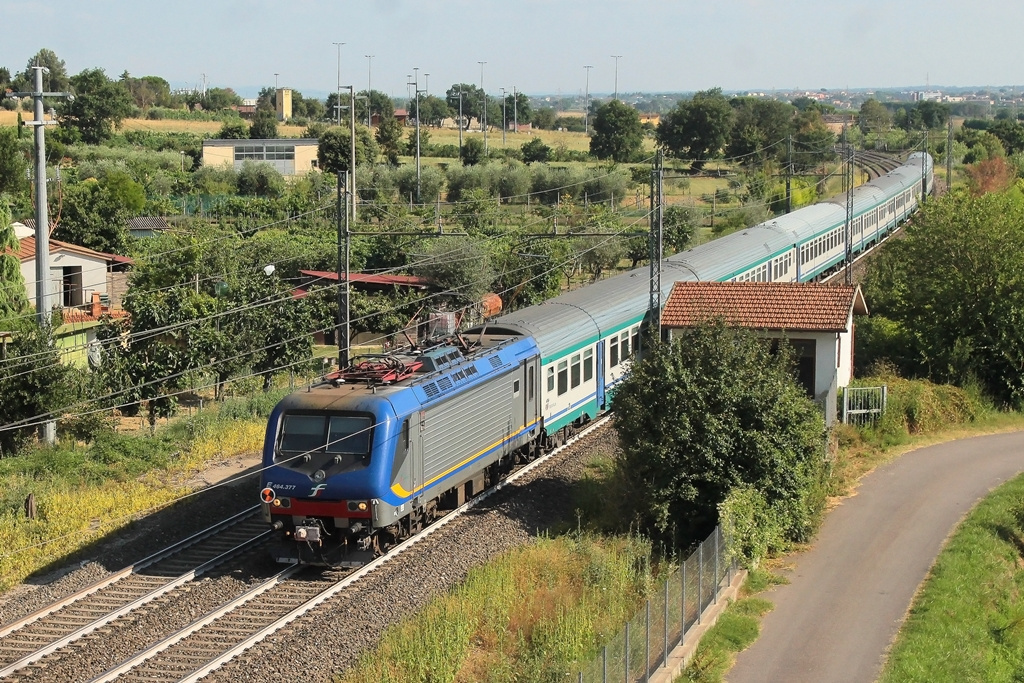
(364, 458)
(369, 455)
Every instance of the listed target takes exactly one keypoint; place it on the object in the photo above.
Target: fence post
(682, 617)
(700, 581)
(604, 664)
(627, 653)
(647, 646)
(846, 404)
(718, 580)
(664, 656)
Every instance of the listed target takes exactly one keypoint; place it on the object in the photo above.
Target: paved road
(849, 593)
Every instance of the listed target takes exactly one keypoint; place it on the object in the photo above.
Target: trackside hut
(816, 320)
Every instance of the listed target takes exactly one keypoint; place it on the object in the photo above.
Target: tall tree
(472, 100)
(617, 134)
(813, 143)
(874, 117)
(264, 125)
(760, 128)
(697, 128)
(518, 107)
(12, 163)
(955, 288)
(98, 107)
(55, 79)
(334, 150)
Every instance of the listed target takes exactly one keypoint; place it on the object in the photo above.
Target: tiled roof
(27, 251)
(76, 315)
(802, 307)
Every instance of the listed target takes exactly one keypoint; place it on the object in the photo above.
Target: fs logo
(317, 490)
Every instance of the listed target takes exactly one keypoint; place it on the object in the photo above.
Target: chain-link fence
(647, 639)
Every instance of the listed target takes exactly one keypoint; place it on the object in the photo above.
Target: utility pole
(616, 58)
(515, 109)
(369, 91)
(338, 102)
(504, 116)
(789, 174)
(342, 267)
(460, 120)
(416, 91)
(949, 155)
(43, 308)
(352, 151)
(656, 241)
(586, 102)
(924, 159)
(483, 114)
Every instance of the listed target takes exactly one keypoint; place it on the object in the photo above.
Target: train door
(600, 375)
(530, 395)
(416, 453)
(518, 400)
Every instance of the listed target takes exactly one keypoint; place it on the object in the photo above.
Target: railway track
(875, 164)
(30, 639)
(269, 607)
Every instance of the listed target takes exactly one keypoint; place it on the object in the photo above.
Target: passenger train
(374, 452)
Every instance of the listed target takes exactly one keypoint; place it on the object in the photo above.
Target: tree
(520, 102)
(813, 143)
(95, 214)
(13, 299)
(955, 286)
(234, 129)
(147, 91)
(617, 133)
(713, 411)
(698, 128)
(433, 109)
(334, 150)
(55, 79)
(472, 152)
(389, 137)
(260, 180)
(264, 125)
(472, 100)
(1010, 133)
(874, 117)
(460, 266)
(679, 225)
(378, 102)
(12, 163)
(760, 127)
(544, 118)
(36, 384)
(98, 108)
(217, 99)
(535, 150)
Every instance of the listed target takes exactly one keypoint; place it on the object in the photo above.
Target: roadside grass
(528, 615)
(84, 492)
(967, 622)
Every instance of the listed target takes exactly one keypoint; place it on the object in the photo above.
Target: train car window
(529, 384)
(574, 372)
(515, 388)
(551, 378)
(401, 452)
(563, 377)
(624, 345)
(636, 340)
(588, 365)
(613, 352)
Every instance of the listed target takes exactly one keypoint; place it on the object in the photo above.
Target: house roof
(798, 307)
(27, 250)
(77, 316)
(148, 223)
(372, 278)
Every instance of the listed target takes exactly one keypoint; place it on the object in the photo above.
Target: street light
(460, 120)
(426, 84)
(416, 85)
(337, 103)
(369, 92)
(616, 58)
(586, 101)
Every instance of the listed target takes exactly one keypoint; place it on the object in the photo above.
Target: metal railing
(864, 405)
(670, 613)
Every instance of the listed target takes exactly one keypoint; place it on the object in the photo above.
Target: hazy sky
(538, 46)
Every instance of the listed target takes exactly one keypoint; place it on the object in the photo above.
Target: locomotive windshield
(334, 434)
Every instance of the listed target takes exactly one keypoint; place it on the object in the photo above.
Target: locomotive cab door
(599, 375)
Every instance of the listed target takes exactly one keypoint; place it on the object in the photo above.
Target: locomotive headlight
(319, 476)
(276, 503)
(362, 506)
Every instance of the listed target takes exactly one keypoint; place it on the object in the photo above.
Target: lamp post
(616, 58)
(337, 104)
(426, 84)
(515, 109)
(416, 89)
(483, 114)
(369, 92)
(586, 101)
(460, 120)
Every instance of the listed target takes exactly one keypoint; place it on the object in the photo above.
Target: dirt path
(849, 593)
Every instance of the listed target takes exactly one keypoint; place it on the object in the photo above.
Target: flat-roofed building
(290, 156)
